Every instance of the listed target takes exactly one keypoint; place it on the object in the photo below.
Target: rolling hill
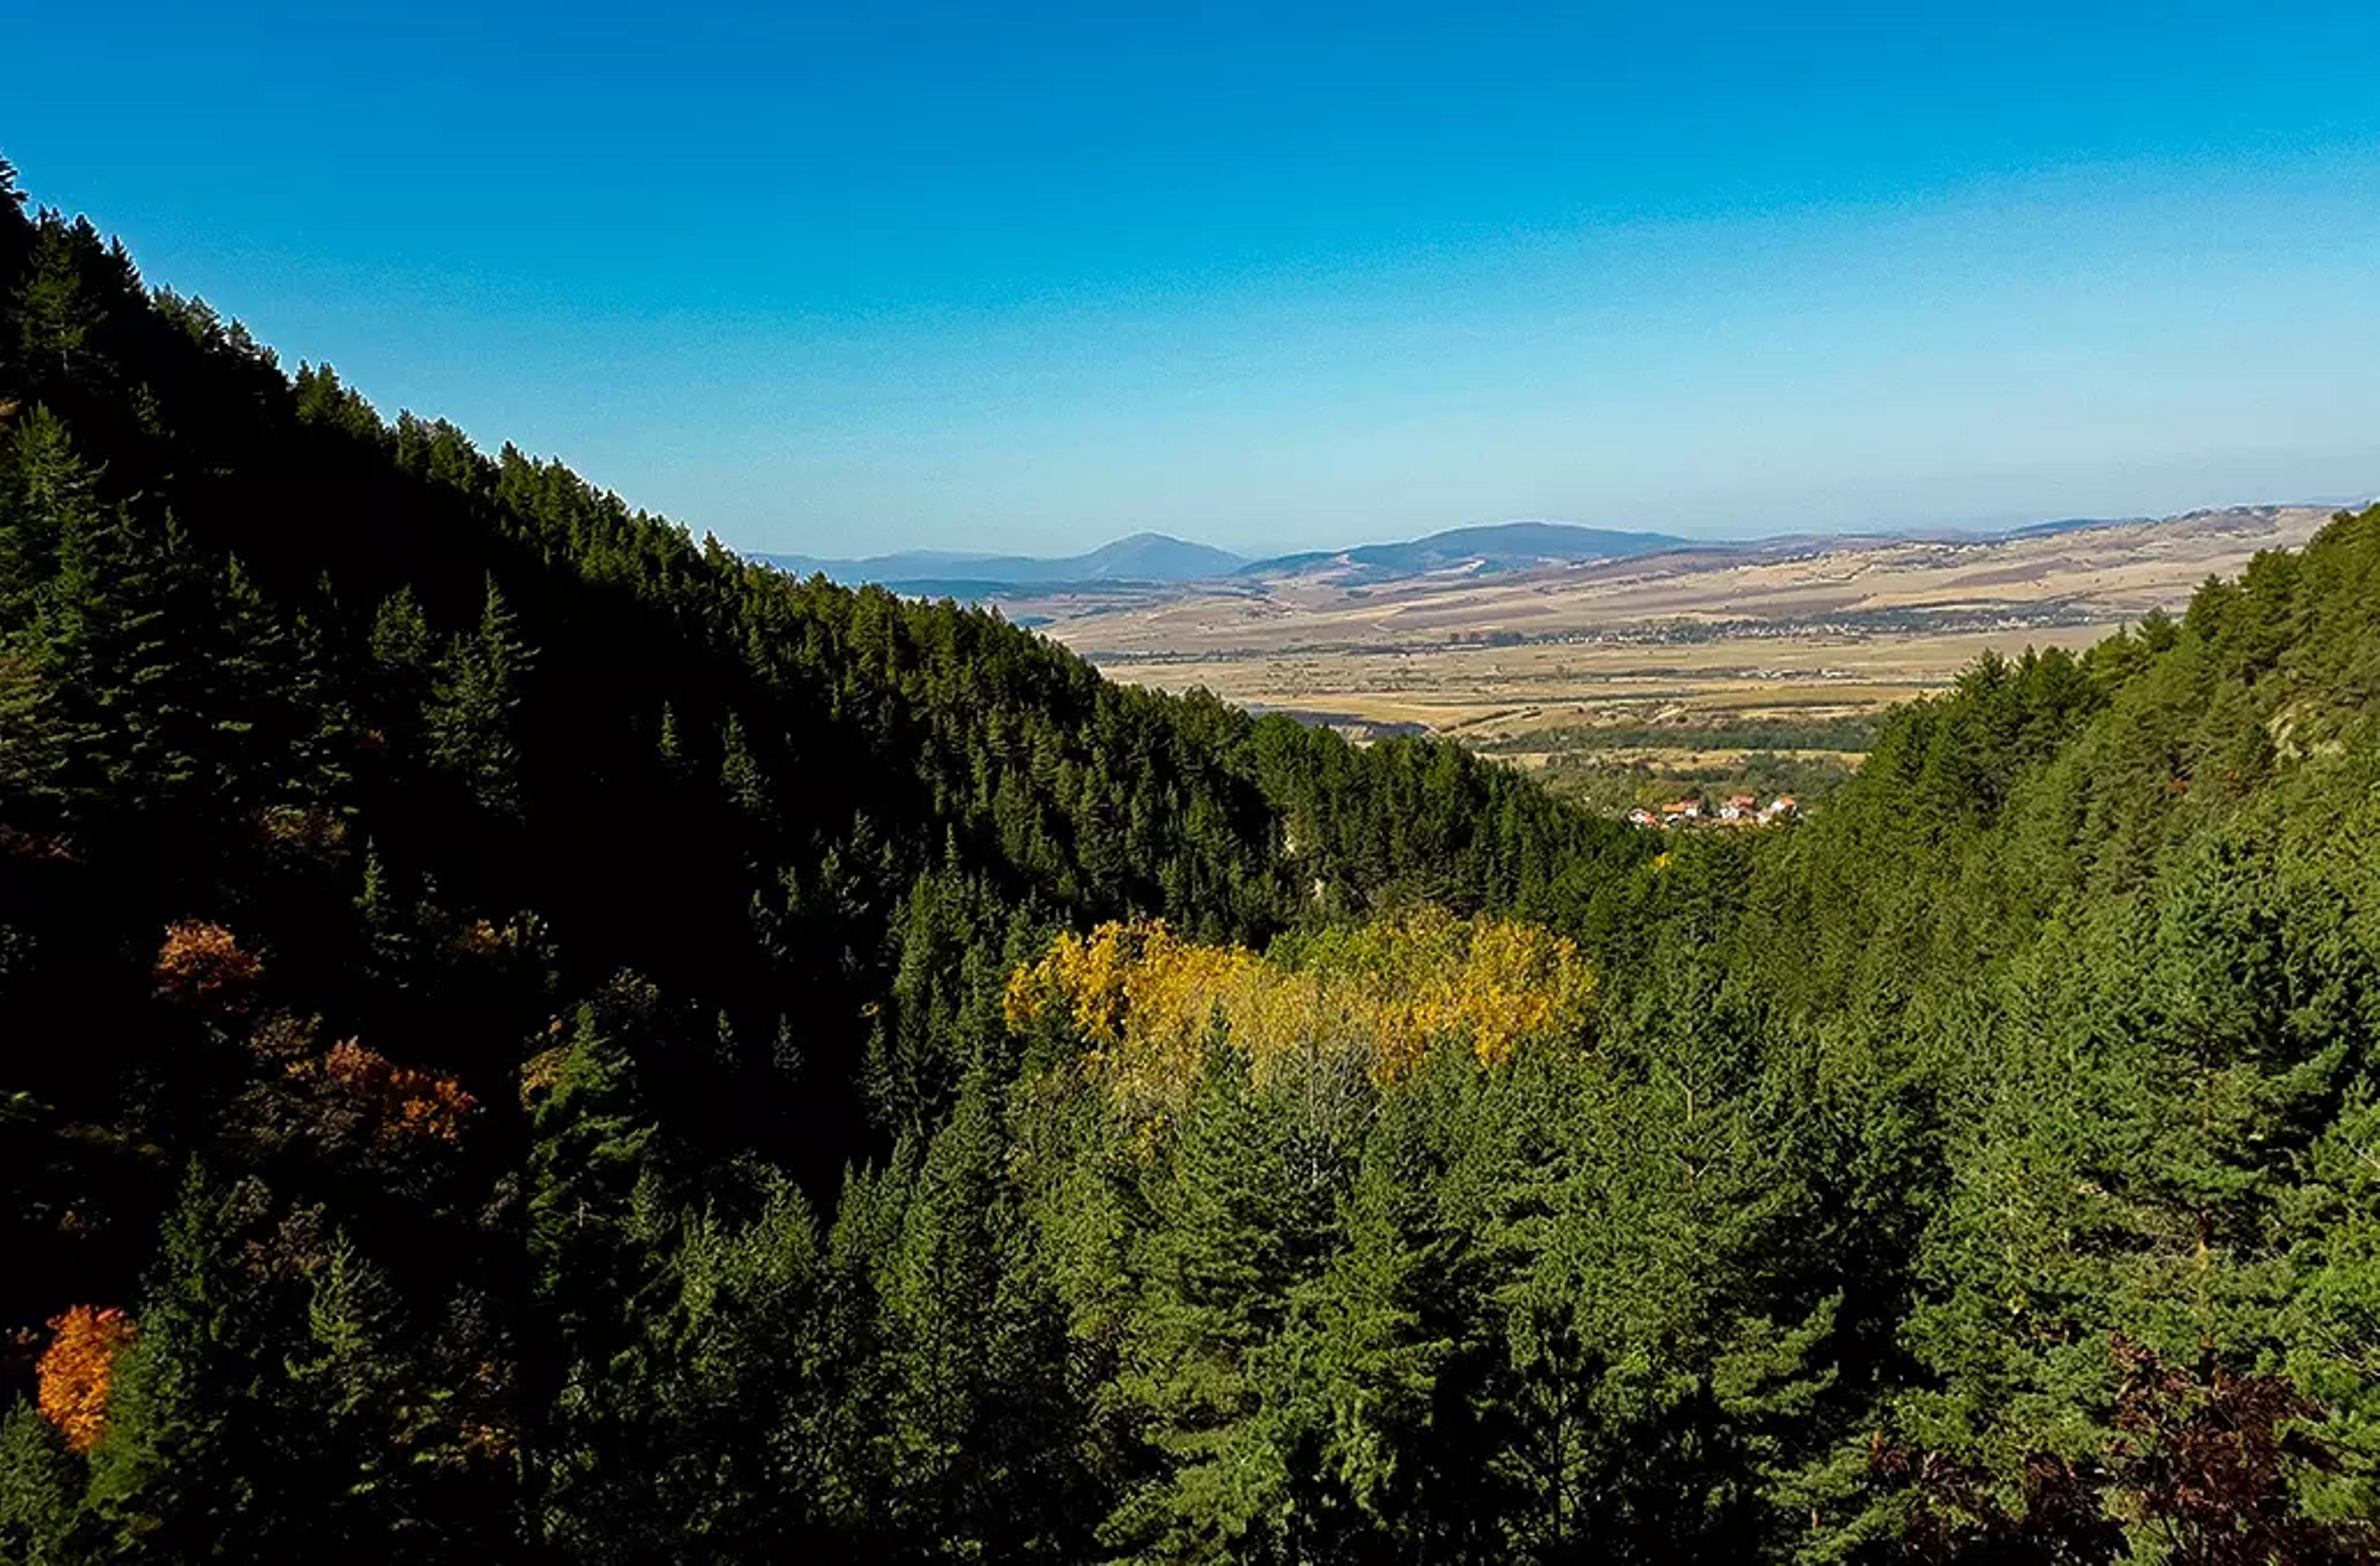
(1142, 557)
(1486, 550)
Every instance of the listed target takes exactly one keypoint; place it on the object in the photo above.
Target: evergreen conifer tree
(40, 1494)
(474, 694)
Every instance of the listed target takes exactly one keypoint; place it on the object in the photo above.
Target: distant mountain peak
(1491, 546)
(1138, 557)
(1156, 557)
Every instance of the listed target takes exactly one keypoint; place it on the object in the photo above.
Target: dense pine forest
(525, 1035)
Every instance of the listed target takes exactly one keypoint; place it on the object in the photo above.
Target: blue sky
(872, 276)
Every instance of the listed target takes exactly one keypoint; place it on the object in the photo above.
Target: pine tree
(131, 690)
(189, 1463)
(2333, 1323)
(670, 747)
(979, 1434)
(1401, 1334)
(400, 637)
(1668, 1322)
(598, 1222)
(33, 730)
(255, 720)
(57, 318)
(738, 1369)
(474, 695)
(740, 777)
(1243, 1219)
(45, 493)
(94, 692)
(40, 1494)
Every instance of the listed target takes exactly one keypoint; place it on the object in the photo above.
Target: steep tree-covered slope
(345, 763)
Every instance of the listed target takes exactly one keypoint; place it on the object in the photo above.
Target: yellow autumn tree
(1145, 1001)
(202, 966)
(72, 1379)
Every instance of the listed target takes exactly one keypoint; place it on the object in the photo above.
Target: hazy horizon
(840, 286)
(1982, 528)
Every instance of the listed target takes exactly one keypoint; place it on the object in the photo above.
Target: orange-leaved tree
(201, 965)
(400, 1103)
(75, 1370)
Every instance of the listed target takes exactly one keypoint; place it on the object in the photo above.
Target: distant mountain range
(1143, 557)
(1157, 559)
(1494, 549)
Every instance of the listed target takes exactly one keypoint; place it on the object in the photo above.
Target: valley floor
(1536, 665)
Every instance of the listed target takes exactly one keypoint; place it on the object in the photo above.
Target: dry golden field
(1788, 629)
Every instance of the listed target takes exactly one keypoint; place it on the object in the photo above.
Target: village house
(1741, 810)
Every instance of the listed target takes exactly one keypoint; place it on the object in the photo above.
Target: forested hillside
(524, 1035)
